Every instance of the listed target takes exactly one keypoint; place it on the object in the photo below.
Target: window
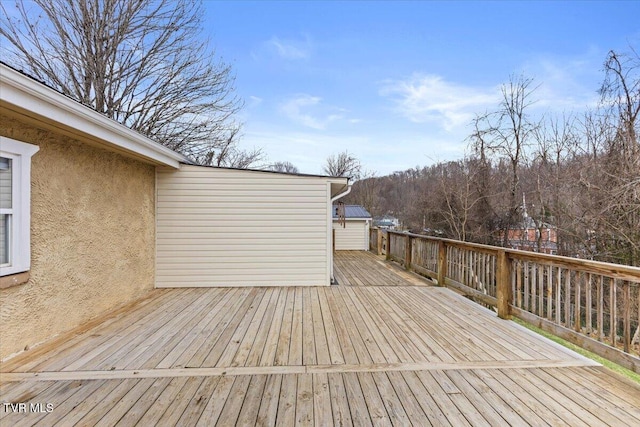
(15, 202)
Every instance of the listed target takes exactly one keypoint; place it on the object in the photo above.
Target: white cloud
(566, 84)
(289, 49)
(254, 101)
(429, 98)
(309, 111)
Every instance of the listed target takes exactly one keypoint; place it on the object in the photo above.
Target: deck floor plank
(240, 342)
(286, 415)
(231, 329)
(357, 404)
(501, 399)
(251, 404)
(321, 400)
(376, 330)
(392, 402)
(309, 355)
(262, 334)
(336, 356)
(211, 413)
(199, 402)
(199, 333)
(206, 335)
(382, 348)
(370, 351)
(283, 348)
(89, 350)
(268, 412)
(296, 341)
(162, 402)
(339, 401)
(133, 339)
(323, 356)
(409, 401)
(81, 343)
(267, 358)
(133, 414)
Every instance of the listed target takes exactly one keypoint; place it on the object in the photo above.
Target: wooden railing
(593, 304)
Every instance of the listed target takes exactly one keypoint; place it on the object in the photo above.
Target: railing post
(407, 252)
(388, 245)
(503, 279)
(442, 262)
(379, 243)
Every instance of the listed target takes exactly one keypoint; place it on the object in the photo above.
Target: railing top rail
(618, 271)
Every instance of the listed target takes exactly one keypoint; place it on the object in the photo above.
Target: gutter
(341, 195)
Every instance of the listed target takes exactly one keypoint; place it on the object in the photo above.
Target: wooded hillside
(578, 172)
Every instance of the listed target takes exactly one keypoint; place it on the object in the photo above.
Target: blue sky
(397, 83)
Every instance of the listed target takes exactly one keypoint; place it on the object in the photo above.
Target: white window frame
(19, 230)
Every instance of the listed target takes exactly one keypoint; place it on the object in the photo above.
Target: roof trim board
(29, 97)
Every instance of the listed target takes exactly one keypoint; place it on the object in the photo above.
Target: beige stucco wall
(92, 237)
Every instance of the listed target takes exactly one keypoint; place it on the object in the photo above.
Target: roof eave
(26, 96)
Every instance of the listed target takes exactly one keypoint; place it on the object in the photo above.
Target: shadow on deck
(377, 349)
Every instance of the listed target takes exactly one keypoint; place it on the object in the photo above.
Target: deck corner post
(503, 279)
(379, 240)
(442, 262)
(407, 252)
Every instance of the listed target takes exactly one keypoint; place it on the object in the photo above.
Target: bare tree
(286, 167)
(343, 164)
(142, 63)
(618, 189)
(366, 192)
(506, 133)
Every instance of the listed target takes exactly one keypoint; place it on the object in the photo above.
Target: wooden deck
(380, 348)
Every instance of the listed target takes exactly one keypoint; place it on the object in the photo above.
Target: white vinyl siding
(222, 227)
(355, 236)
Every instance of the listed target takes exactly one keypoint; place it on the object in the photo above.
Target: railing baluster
(540, 291)
(567, 299)
(549, 285)
(519, 283)
(626, 293)
(442, 263)
(587, 290)
(558, 283)
(525, 269)
(504, 285)
(514, 269)
(407, 252)
(612, 313)
(576, 321)
(600, 307)
(534, 287)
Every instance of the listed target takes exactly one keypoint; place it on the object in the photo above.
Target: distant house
(529, 235)
(94, 215)
(387, 222)
(352, 231)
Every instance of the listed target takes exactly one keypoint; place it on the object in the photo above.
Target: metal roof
(352, 211)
